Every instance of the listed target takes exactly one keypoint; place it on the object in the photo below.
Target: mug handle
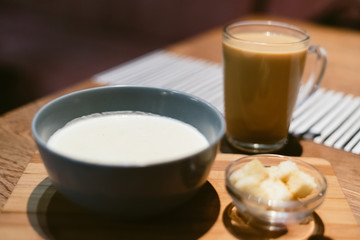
(312, 84)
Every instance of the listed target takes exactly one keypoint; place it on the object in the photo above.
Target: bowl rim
(277, 204)
(192, 97)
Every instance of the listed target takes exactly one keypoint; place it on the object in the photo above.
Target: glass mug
(263, 63)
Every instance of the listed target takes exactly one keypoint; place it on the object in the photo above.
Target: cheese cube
(273, 171)
(255, 169)
(248, 184)
(282, 171)
(300, 184)
(274, 189)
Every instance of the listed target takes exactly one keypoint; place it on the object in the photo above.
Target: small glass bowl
(274, 215)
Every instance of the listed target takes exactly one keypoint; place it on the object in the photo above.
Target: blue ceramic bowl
(123, 190)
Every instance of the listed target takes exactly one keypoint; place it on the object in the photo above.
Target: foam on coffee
(266, 42)
(127, 138)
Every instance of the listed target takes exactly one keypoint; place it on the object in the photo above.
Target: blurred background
(48, 45)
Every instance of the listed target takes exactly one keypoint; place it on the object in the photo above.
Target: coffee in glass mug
(263, 64)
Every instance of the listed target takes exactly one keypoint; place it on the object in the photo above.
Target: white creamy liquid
(127, 139)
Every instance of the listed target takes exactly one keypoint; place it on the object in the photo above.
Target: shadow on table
(238, 227)
(54, 217)
(292, 148)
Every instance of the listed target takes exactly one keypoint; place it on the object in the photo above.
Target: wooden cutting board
(35, 210)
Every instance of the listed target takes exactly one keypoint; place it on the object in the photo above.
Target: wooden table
(17, 147)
